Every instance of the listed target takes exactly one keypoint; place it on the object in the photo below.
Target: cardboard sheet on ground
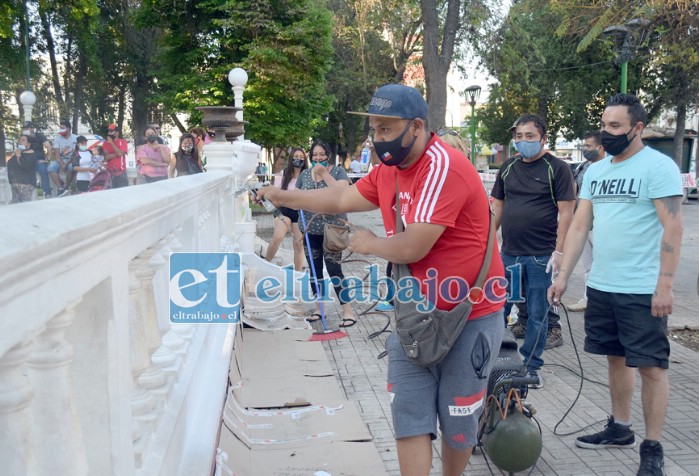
(335, 459)
(281, 369)
(285, 414)
(292, 427)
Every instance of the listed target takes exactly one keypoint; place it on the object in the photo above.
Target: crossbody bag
(427, 338)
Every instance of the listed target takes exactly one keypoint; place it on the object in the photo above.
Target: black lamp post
(472, 93)
(628, 38)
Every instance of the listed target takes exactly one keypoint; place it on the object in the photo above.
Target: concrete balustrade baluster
(143, 404)
(15, 425)
(54, 416)
(153, 378)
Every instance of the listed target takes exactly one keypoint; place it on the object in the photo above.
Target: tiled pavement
(362, 377)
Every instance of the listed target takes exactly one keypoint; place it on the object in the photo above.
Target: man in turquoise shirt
(633, 199)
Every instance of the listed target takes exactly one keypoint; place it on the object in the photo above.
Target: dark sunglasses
(451, 132)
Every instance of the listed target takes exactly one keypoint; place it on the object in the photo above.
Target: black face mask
(615, 144)
(393, 152)
(297, 162)
(151, 139)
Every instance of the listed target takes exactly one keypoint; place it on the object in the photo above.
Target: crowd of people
(69, 164)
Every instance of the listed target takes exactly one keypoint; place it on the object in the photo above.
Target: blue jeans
(532, 272)
(42, 170)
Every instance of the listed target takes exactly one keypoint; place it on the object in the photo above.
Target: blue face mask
(528, 148)
(324, 163)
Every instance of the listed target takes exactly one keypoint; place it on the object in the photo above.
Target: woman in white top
(83, 164)
(288, 220)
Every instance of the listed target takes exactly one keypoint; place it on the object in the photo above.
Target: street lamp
(238, 79)
(472, 92)
(628, 38)
(27, 98)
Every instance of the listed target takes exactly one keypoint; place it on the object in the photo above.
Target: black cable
(582, 380)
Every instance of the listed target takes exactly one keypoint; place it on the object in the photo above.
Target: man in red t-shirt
(446, 217)
(115, 150)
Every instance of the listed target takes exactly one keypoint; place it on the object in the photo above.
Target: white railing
(93, 378)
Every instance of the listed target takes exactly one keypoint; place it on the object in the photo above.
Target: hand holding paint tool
(259, 196)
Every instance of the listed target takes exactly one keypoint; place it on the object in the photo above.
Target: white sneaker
(578, 306)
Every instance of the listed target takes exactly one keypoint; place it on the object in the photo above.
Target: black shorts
(290, 213)
(622, 325)
(82, 185)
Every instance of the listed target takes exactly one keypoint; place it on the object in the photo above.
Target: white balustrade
(93, 377)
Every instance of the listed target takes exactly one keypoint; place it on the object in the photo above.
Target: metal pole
(473, 134)
(624, 67)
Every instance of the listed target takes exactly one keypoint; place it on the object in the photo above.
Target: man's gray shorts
(452, 391)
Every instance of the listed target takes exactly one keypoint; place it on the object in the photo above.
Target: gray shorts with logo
(451, 392)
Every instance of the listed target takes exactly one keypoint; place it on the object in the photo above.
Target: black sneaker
(652, 462)
(614, 435)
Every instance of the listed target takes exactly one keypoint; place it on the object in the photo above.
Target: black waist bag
(427, 338)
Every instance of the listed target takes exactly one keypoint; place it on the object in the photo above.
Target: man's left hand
(360, 241)
(554, 264)
(661, 304)
(318, 172)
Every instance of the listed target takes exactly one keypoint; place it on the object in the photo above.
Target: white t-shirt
(86, 160)
(355, 166)
(60, 143)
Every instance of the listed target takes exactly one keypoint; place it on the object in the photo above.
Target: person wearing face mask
(534, 199)
(63, 150)
(83, 165)
(115, 150)
(289, 218)
(21, 168)
(186, 160)
(446, 218)
(323, 175)
(45, 154)
(592, 151)
(153, 157)
(633, 199)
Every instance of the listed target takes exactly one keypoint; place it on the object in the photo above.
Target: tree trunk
(437, 53)
(178, 123)
(78, 92)
(2, 131)
(51, 48)
(679, 133)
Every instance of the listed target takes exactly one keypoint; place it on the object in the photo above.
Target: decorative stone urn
(239, 158)
(220, 119)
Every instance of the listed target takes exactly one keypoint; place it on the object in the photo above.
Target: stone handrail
(93, 378)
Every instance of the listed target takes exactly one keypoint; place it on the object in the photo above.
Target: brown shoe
(518, 330)
(554, 338)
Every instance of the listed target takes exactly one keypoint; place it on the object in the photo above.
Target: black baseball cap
(28, 125)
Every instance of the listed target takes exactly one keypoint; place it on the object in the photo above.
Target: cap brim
(377, 115)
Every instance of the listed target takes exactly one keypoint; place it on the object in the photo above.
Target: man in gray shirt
(63, 151)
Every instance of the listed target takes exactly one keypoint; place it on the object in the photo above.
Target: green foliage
(541, 73)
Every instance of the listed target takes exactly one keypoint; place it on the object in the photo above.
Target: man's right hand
(269, 192)
(557, 289)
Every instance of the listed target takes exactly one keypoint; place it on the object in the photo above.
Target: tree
(671, 48)
(447, 24)
(538, 72)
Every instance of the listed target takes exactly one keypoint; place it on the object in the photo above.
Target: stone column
(15, 395)
(57, 434)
